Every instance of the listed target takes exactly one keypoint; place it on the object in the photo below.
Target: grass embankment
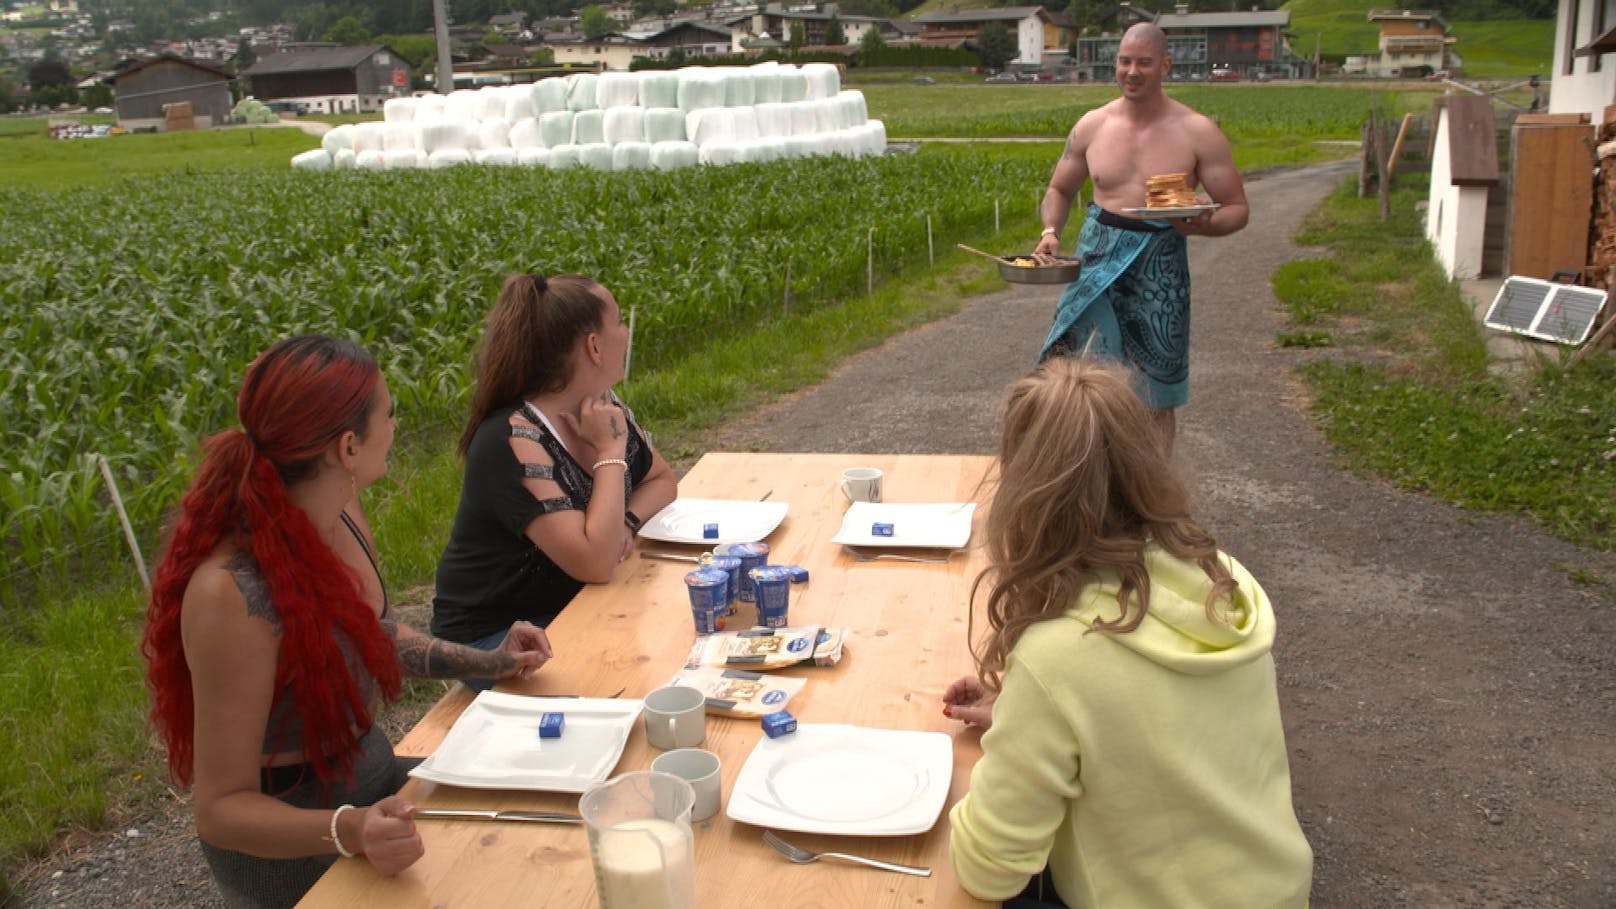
(1422, 407)
(1493, 49)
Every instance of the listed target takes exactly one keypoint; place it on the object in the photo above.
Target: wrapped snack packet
(737, 692)
(764, 649)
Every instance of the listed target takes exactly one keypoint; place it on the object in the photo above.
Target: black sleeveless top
(491, 574)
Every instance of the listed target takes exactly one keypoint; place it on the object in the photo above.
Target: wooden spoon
(1000, 259)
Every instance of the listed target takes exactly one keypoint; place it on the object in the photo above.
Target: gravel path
(1449, 691)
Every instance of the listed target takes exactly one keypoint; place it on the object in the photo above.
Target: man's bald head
(1150, 33)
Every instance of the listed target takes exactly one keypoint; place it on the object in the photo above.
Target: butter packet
(737, 692)
(764, 649)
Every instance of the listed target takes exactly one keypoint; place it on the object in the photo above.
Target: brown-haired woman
(558, 476)
(269, 639)
(1134, 743)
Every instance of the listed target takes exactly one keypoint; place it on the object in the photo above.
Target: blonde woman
(1134, 754)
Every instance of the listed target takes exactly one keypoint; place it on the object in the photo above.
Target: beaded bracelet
(335, 841)
(606, 461)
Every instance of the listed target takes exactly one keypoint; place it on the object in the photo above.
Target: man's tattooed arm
(425, 657)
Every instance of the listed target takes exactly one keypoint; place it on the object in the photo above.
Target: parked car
(1002, 77)
(1438, 76)
(1224, 74)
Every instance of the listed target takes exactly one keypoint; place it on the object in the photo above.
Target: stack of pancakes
(1169, 191)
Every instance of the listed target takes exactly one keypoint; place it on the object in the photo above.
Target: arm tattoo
(425, 657)
(616, 433)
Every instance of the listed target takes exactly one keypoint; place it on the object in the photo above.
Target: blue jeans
(491, 642)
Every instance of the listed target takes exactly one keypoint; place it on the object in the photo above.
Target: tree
(871, 44)
(595, 22)
(245, 55)
(995, 46)
(97, 95)
(834, 36)
(799, 36)
(49, 73)
(645, 9)
(10, 98)
(879, 9)
(543, 56)
(347, 31)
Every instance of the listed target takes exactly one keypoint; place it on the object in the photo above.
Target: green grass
(1490, 50)
(1414, 399)
(39, 162)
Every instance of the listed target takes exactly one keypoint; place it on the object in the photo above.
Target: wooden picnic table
(908, 642)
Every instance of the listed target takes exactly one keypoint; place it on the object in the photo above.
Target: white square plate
(495, 743)
(1180, 211)
(739, 521)
(846, 780)
(945, 525)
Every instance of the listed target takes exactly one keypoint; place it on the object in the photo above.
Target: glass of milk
(640, 841)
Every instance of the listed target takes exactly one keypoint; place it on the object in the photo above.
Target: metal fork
(896, 557)
(802, 856)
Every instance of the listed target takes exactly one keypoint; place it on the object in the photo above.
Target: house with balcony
(1042, 37)
(1249, 44)
(775, 22)
(1413, 43)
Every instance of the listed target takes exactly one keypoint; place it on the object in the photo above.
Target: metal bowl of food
(1026, 270)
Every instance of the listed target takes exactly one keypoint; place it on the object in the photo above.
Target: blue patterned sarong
(1130, 303)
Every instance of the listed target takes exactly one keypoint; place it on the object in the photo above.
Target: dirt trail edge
(1449, 693)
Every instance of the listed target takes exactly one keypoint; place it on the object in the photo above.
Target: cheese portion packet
(764, 649)
(737, 692)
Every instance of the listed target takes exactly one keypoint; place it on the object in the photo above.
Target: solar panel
(1564, 313)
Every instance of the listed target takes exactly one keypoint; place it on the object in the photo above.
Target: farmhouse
(331, 80)
(1249, 44)
(142, 89)
(1042, 37)
(776, 21)
(1412, 43)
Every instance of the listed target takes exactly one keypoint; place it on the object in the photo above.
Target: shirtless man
(1132, 300)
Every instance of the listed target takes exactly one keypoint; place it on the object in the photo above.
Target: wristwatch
(632, 520)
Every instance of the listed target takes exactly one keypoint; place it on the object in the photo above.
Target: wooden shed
(331, 80)
(144, 89)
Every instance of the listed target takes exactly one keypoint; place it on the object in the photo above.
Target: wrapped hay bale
(718, 154)
(664, 124)
(338, 139)
(313, 159)
(252, 110)
(773, 120)
(623, 124)
(430, 107)
(494, 132)
(827, 115)
(462, 104)
(794, 147)
(631, 156)
(444, 135)
(343, 159)
(448, 157)
(793, 84)
(563, 156)
(672, 155)
(581, 91)
(398, 110)
(768, 149)
(823, 79)
(740, 86)
(587, 127)
(491, 102)
(700, 88)
(875, 137)
(597, 155)
(710, 124)
(404, 136)
(804, 119)
(403, 159)
(555, 128)
(370, 160)
(525, 134)
(497, 157)
(518, 104)
(746, 125)
(854, 111)
(370, 136)
(547, 95)
(618, 90)
(765, 82)
(659, 89)
(533, 156)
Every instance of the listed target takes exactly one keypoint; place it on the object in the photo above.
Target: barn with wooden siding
(331, 80)
(143, 89)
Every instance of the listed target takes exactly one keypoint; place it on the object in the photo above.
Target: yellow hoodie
(1145, 769)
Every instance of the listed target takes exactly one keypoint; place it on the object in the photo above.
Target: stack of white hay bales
(617, 121)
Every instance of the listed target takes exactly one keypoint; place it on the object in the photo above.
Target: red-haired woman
(269, 639)
(558, 476)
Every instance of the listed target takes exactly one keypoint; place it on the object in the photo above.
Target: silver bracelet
(335, 841)
(606, 461)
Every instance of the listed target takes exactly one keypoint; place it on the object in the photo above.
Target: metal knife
(670, 556)
(531, 817)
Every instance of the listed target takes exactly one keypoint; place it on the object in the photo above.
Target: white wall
(1455, 216)
(1582, 91)
(1029, 40)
